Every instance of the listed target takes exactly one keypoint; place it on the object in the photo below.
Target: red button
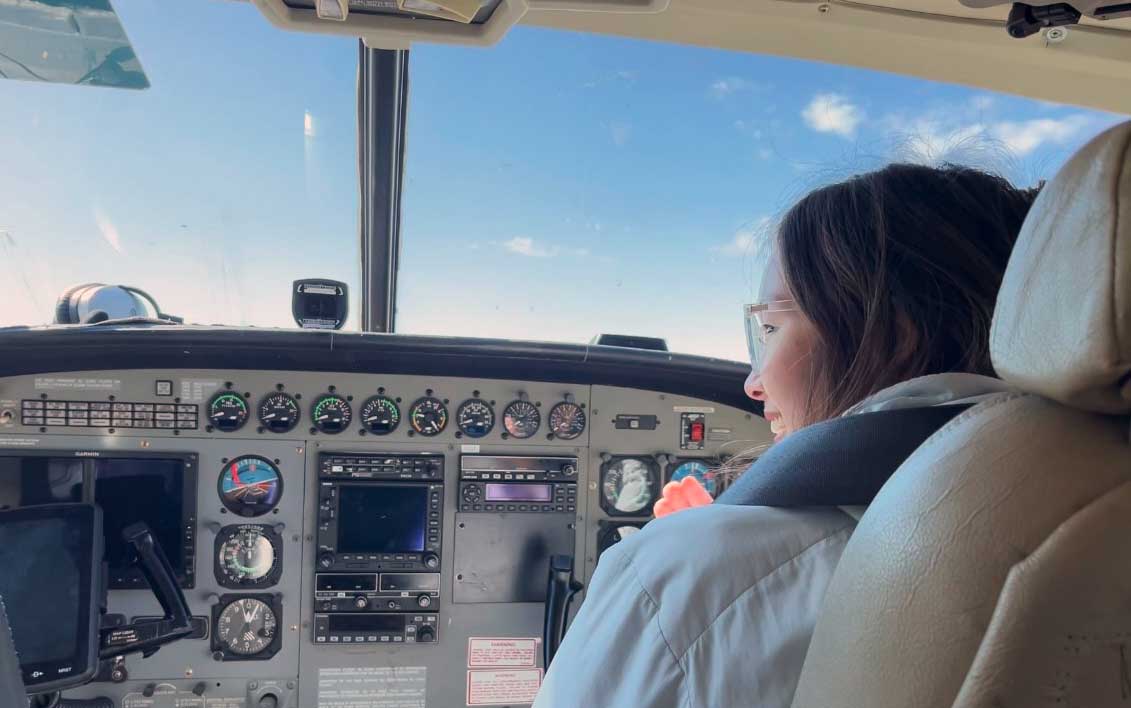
(696, 432)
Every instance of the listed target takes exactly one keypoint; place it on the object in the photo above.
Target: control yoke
(560, 589)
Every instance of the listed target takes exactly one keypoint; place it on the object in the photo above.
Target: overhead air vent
(395, 24)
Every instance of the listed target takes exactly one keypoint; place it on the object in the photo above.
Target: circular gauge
(246, 626)
(227, 412)
(628, 486)
(699, 470)
(475, 417)
(331, 413)
(521, 419)
(613, 534)
(250, 486)
(567, 420)
(279, 412)
(248, 555)
(380, 415)
(428, 416)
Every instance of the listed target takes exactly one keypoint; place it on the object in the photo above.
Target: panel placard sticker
(502, 687)
(373, 687)
(502, 652)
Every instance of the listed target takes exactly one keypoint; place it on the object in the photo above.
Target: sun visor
(77, 42)
(396, 24)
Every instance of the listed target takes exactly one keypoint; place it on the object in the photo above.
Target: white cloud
(832, 113)
(765, 153)
(626, 75)
(739, 125)
(108, 230)
(1026, 136)
(721, 88)
(526, 246)
(745, 239)
(933, 139)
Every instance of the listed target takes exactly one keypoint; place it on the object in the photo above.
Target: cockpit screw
(298, 450)
(1056, 34)
(824, 8)
(294, 627)
(144, 443)
(188, 672)
(291, 685)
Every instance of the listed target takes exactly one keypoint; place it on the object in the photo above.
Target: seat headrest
(1062, 326)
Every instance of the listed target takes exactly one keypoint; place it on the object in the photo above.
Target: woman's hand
(684, 494)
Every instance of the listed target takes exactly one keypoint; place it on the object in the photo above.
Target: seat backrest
(993, 567)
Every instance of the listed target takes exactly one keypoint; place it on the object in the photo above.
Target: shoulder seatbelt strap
(839, 462)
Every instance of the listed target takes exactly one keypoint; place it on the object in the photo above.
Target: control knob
(424, 601)
(426, 634)
(431, 561)
(472, 494)
(361, 602)
(326, 559)
(569, 470)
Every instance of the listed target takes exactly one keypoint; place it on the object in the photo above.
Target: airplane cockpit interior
(341, 339)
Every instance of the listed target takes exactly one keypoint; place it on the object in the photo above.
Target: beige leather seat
(994, 568)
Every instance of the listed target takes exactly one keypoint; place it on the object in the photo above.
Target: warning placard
(501, 652)
(500, 688)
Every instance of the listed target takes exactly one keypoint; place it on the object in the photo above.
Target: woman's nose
(753, 386)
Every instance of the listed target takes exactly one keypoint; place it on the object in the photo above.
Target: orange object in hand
(684, 494)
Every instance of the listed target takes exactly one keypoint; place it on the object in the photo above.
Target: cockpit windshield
(557, 186)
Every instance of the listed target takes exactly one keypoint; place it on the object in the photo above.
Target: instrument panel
(344, 534)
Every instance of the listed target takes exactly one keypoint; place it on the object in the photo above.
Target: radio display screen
(346, 582)
(518, 492)
(382, 518)
(367, 623)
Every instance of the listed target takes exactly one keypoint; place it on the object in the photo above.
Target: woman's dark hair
(898, 270)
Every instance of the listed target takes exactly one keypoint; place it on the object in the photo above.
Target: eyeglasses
(756, 336)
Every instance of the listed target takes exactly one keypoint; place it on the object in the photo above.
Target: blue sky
(558, 185)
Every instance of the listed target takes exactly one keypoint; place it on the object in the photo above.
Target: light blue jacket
(725, 627)
(714, 607)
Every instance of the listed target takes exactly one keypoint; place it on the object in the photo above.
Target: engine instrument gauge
(429, 416)
(245, 627)
(699, 469)
(521, 419)
(250, 486)
(248, 556)
(279, 412)
(567, 420)
(628, 486)
(380, 415)
(227, 412)
(331, 413)
(475, 417)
